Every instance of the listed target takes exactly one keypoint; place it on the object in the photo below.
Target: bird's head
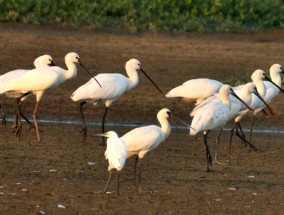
(43, 61)
(73, 57)
(134, 64)
(276, 68)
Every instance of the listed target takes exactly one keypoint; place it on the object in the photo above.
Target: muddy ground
(64, 175)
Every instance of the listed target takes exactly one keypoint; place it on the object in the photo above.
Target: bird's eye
(169, 113)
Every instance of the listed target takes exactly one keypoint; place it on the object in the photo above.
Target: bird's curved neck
(260, 87)
(276, 78)
(226, 100)
(72, 70)
(246, 96)
(165, 126)
(133, 78)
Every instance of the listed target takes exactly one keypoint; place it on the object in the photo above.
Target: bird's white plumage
(271, 90)
(191, 90)
(40, 79)
(114, 86)
(257, 78)
(11, 77)
(213, 113)
(115, 152)
(140, 141)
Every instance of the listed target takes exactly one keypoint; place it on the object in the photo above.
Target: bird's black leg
(134, 177)
(3, 117)
(18, 128)
(231, 138)
(84, 129)
(28, 121)
(107, 181)
(139, 175)
(242, 137)
(103, 126)
(118, 183)
(208, 154)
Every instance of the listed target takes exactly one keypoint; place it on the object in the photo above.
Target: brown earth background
(35, 178)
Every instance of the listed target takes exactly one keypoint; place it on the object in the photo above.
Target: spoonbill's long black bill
(235, 95)
(269, 108)
(181, 121)
(268, 79)
(151, 80)
(90, 73)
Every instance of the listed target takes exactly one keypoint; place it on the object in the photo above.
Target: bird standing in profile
(5, 79)
(115, 154)
(273, 87)
(140, 141)
(210, 115)
(36, 81)
(114, 85)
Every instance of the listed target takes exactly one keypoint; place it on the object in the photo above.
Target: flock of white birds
(215, 105)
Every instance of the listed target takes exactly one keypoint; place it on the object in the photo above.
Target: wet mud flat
(64, 175)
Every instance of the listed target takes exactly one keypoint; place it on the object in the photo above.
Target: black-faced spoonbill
(236, 106)
(142, 140)
(36, 81)
(114, 85)
(272, 90)
(39, 62)
(258, 77)
(210, 116)
(245, 93)
(191, 90)
(115, 154)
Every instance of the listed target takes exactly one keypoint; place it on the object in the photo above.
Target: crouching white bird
(190, 90)
(142, 140)
(212, 114)
(115, 154)
(36, 81)
(114, 85)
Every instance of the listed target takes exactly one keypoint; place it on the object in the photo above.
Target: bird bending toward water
(114, 85)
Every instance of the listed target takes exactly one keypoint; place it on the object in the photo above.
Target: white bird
(190, 90)
(211, 115)
(272, 90)
(236, 113)
(114, 86)
(236, 107)
(115, 154)
(142, 140)
(36, 81)
(40, 62)
(258, 78)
